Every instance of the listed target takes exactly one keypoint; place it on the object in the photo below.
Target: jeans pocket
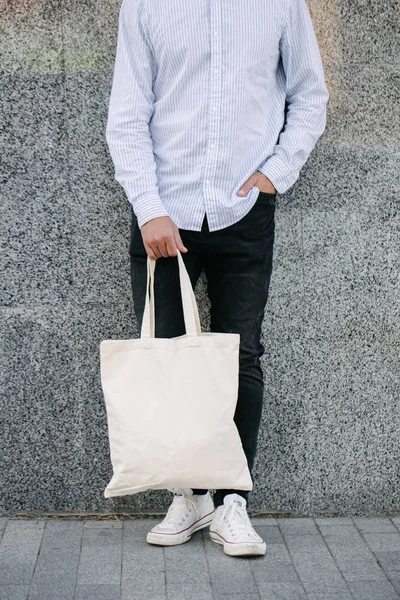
(265, 210)
(257, 223)
(268, 195)
(266, 203)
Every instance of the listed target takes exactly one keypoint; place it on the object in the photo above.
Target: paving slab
(374, 525)
(14, 592)
(352, 555)
(272, 572)
(19, 548)
(334, 521)
(185, 591)
(100, 557)
(390, 562)
(103, 524)
(282, 591)
(52, 590)
(271, 535)
(329, 594)
(143, 589)
(264, 521)
(383, 542)
(312, 559)
(229, 575)
(183, 567)
(220, 596)
(97, 592)
(372, 590)
(58, 558)
(298, 526)
(324, 589)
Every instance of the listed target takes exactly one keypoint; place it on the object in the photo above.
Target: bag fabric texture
(170, 404)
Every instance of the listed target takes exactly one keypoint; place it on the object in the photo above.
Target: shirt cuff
(278, 174)
(148, 208)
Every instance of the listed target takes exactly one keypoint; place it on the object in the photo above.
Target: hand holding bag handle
(190, 310)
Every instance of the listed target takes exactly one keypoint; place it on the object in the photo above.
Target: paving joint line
(165, 572)
(291, 558)
(78, 562)
(395, 524)
(36, 562)
(4, 528)
(255, 580)
(122, 559)
(203, 537)
(334, 560)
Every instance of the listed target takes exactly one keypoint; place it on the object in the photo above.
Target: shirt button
(215, 32)
(212, 145)
(214, 108)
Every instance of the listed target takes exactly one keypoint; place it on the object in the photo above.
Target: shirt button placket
(214, 100)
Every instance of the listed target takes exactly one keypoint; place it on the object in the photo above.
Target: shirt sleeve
(130, 109)
(306, 97)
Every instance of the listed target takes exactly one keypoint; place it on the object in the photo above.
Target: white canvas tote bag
(170, 404)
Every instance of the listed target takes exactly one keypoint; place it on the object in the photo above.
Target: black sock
(219, 495)
(199, 492)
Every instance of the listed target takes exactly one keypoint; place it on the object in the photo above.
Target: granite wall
(330, 438)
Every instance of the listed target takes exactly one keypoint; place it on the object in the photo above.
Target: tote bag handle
(190, 310)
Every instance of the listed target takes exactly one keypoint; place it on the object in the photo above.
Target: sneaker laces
(242, 523)
(179, 507)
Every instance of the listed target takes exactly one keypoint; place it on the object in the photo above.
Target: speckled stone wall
(330, 438)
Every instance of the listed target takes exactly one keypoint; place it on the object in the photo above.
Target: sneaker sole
(240, 549)
(162, 539)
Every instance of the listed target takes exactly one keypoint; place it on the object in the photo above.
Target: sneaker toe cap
(164, 528)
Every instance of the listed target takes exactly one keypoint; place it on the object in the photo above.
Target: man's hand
(260, 181)
(161, 238)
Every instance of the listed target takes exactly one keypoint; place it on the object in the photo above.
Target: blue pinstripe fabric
(198, 104)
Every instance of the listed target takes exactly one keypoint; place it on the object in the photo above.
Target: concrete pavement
(104, 559)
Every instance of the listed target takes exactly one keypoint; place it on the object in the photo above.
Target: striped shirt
(204, 94)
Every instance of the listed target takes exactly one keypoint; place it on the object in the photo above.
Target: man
(215, 107)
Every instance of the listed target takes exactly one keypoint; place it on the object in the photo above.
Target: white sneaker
(231, 527)
(188, 513)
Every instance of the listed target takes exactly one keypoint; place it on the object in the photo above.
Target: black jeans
(237, 261)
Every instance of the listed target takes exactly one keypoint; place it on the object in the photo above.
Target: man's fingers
(150, 252)
(161, 245)
(246, 187)
(163, 248)
(179, 243)
(175, 243)
(171, 247)
(153, 251)
(156, 251)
